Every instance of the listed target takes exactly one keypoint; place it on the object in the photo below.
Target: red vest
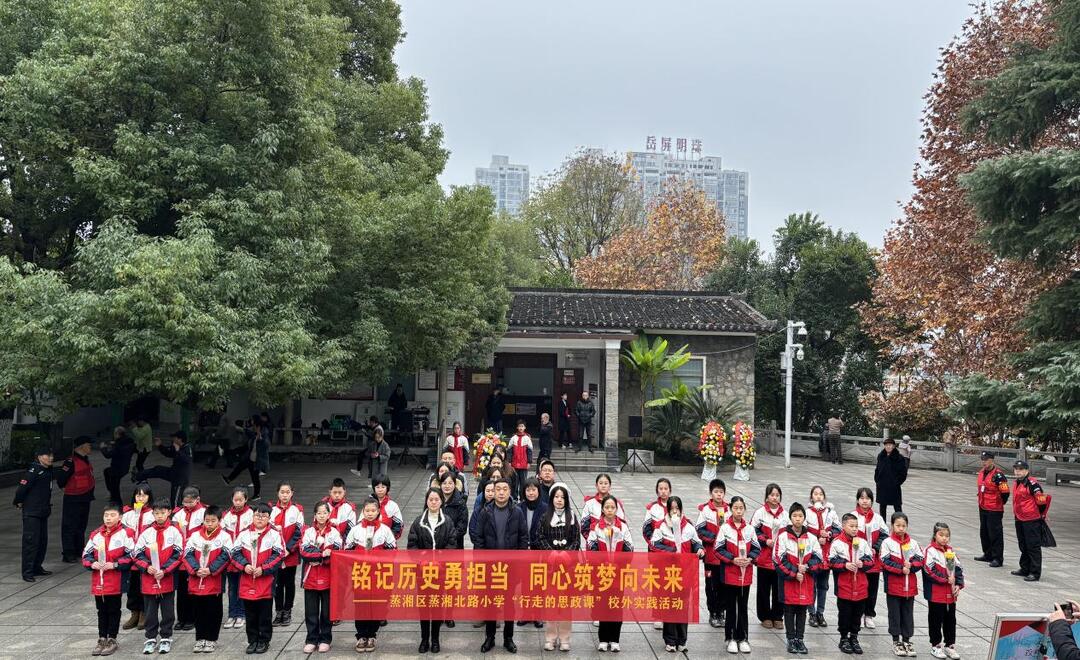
(1026, 503)
(989, 492)
(82, 479)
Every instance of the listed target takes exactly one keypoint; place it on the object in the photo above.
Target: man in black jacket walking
(585, 411)
(501, 527)
(119, 453)
(34, 498)
(179, 474)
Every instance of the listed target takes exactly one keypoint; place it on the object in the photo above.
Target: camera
(1067, 609)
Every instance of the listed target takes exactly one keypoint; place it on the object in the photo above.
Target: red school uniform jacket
(390, 515)
(289, 522)
(170, 546)
(116, 543)
(792, 549)
(136, 520)
(819, 517)
(894, 550)
(768, 522)
(520, 446)
(655, 512)
(731, 541)
(842, 551)
(872, 528)
(316, 575)
(188, 521)
(342, 515)
(609, 538)
(591, 513)
(936, 567)
(993, 489)
(233, 522)
(459, 444)
(680, 538)
(710, 518)
(215, 547)
(262, 548)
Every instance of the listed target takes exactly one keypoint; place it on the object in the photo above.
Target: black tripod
(633, 460)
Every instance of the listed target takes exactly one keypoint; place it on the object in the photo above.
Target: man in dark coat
(889, 475)
(566, 440)
(119, 453)
(585, 411)
(398, 403)
(493, 410)
(34, 498)
(501, 527)
(179, 473)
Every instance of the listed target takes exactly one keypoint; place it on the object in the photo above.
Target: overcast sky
(818, 100)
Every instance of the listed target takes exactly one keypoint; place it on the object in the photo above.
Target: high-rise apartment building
(509, 183)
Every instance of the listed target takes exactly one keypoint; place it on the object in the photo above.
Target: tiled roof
(607, 309)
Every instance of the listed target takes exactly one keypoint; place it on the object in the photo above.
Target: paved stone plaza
(55, 617)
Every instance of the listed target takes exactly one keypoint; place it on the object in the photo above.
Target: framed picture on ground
(1021, 636)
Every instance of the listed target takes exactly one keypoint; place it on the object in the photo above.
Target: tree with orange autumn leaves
(944, 303)
(679, 242)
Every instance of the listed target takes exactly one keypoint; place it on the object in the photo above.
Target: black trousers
(565, 437)
(873, 581)
(247, 464)
(1029, 538)
(165, 472)
(317, 616)
(185, 609)
(849, 617)
(901, 617)
(112, 484)
(140, 460)
(208, 611)
(108, 615)
(585, 434)
(736, 623)
(367, 629)
(285, 588)
(429, 631)
(160, 615)
(258, 615)
(35, 541)
(942, 620)
(508, 630)
(675, 634)
(134, 592)
(832, 443)
(73, 520)
(882, 507)
(609, 631)
(769, 607)
(795, 621)
(992, 534)
(714, 588)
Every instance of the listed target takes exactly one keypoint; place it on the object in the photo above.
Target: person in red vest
(1029, 508)
(993, 494)
(76, 477)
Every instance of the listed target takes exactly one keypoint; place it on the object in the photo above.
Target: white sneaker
(165, 645)
(149, 647)
(868, 622)
(669, 648)
(681, 648)
(564, 647)
(744, 646)
(952, 653)
(732, 646)
(602, 646)
(614, 647)
(229, 622)
(199, 646)
(899, 649)
(548, 646)
(595, 624)
(209, 647)
(938, 651)
(240, 622)
(657, 626)
(357, 473)
(911, 652)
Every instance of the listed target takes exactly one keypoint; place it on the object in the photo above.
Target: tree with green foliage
(817, 275)
(199, 197)
(1028, 200)
(648, 362)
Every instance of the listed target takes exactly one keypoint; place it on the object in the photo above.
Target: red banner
(523, 585)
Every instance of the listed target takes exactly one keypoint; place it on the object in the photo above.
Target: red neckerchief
(258, 542)
(820, 513)
(159, 534)
(107, 533)
(901, 539)
(279, 520)
(851, 546)
(662, 503)
(867, 516)
(774, 514)
(364, 522)
(942, 548)
(738, 530)
(210, 536)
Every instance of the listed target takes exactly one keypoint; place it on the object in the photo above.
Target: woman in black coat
(455, 508)
(889, 476)
(560, 530)
(432, 530)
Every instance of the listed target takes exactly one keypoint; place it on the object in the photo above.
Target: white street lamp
(791, 349)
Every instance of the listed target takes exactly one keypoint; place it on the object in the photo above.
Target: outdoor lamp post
(791, 350)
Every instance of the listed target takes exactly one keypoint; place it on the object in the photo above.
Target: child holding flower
(901, 557)
(943, 578)
(850, 557)
(797, 557)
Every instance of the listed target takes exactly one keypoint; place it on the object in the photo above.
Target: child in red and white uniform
(822, 521)
(458, 443)
(342, 511)
(797, 554)
(591, 511)
(236, 519)
(943, 578)
(520, 449)
(872, 528)
(389, 511)
(287, 518)
(767, 522)
(850, 558)
(901, 557)
(656, 511)
(258, 553)
(609, 533)
(135, 519)
(737, 549)
(163, 541)
(106, 554)
(710, 516)
(319, 541)
(676, 534)
(206, 555)
(188, 519)
(369, 535)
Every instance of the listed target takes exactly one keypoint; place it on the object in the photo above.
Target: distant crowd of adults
(584, 410)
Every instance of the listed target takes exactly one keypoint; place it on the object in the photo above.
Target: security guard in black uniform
(34, 497)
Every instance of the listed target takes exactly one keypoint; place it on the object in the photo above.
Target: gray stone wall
(729, 368)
